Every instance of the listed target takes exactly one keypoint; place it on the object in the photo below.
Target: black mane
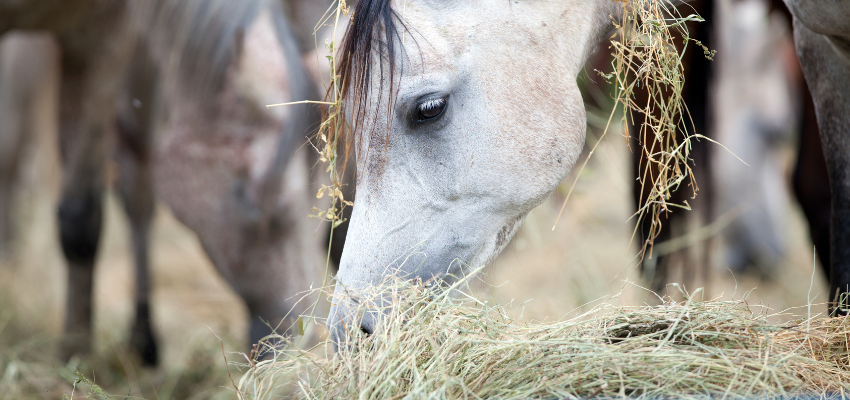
(372, 30)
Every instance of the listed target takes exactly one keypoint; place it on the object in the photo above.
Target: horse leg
(13, 99)
(136, 190)
(697, 88)
(23, 64)
(81, 206)
(828, 77)
(92, 62)
(705, 204)
(811, 182)
(135, 187)
(80, 217)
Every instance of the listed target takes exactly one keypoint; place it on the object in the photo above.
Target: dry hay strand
(646, 58)
(442, 344)
(329, 139)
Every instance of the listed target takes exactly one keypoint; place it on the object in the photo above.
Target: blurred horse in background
(94, 40)
(191, 129)
(761, 106)
(25, 60)
(756, 114)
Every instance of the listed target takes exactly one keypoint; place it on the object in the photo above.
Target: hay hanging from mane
(646, 58)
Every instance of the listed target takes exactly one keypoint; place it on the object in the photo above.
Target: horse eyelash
(432, 104)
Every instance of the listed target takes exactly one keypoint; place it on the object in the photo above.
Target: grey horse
(183, 86)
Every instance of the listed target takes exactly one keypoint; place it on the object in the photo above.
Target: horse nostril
(366, 330)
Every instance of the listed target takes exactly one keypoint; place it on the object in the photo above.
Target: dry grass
(439, 345)
(30, 323)
(29, 368)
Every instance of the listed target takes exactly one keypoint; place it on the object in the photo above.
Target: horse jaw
(439, 201)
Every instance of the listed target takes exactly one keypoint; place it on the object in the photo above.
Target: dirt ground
(586, 257)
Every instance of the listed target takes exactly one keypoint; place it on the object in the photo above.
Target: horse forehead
(456, 20)
(438, 34)
(430, 34)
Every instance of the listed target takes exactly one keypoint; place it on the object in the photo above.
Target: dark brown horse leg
(705, 203)
(136, 191)
(697, 98)
(811, 182)
(80, 217)
(828, 77)
(81, 206)
(92, 63)
(135, 186)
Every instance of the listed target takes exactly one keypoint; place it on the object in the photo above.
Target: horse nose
(367, 325)
(348, 321)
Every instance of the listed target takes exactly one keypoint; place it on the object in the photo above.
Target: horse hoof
(143, 344)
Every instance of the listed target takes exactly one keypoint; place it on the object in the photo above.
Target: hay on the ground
(438, 346)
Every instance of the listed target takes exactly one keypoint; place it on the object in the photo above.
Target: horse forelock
(372, 30)
(201, 38)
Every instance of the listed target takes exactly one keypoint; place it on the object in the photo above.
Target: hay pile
(448, 347)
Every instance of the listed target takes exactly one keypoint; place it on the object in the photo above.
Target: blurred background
(754, 244)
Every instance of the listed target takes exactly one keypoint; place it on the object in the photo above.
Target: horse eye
(430, 109)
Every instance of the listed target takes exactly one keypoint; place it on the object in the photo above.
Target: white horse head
(466, 115)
